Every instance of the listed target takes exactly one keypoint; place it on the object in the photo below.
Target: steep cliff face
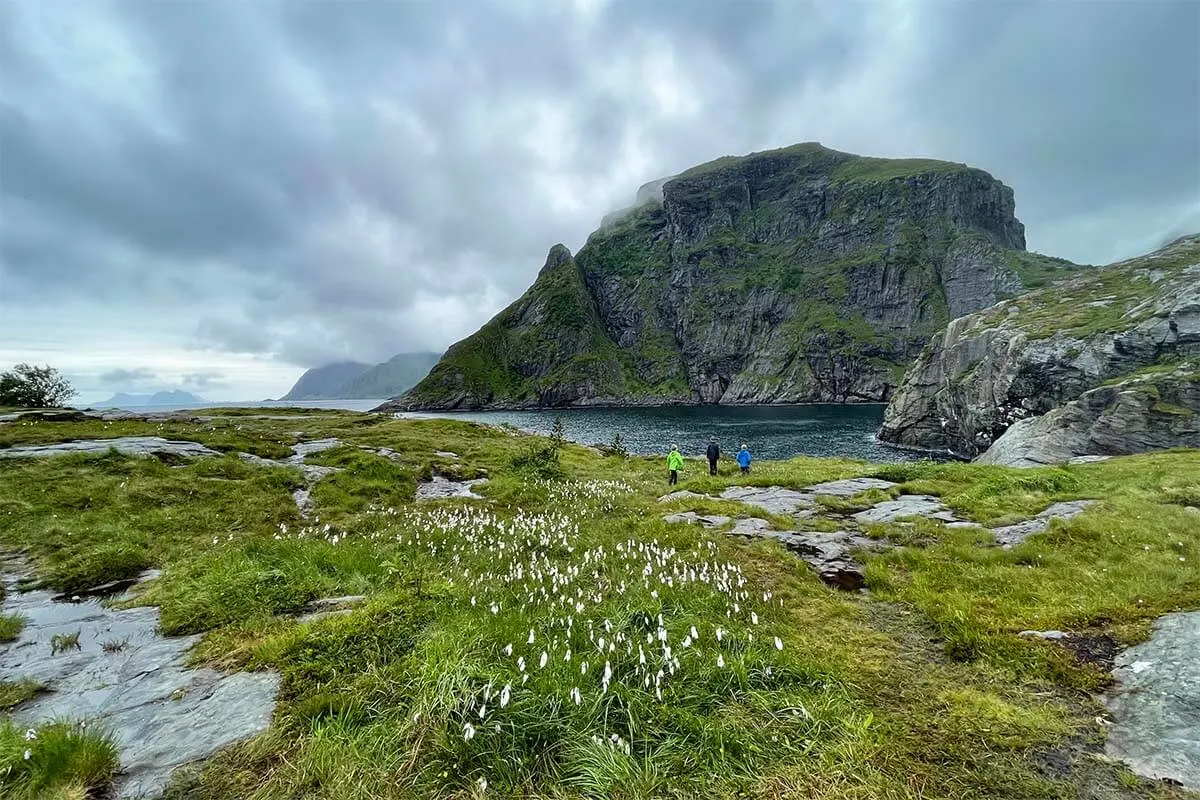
(1155, 410)
(1041, 351)
(795, 275)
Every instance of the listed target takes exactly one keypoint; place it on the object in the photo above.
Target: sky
(216, 195)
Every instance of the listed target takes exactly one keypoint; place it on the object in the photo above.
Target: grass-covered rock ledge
(558, 638)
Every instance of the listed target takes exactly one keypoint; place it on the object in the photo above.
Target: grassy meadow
(558, 640)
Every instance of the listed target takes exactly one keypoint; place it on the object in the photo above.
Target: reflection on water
(770, 431)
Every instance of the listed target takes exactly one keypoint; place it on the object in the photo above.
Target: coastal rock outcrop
(795, 275)
(1109, 356)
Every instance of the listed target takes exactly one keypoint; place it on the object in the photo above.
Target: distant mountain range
(177, 397)
(353, 380)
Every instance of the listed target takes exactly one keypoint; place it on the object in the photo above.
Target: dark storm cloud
(318, 180)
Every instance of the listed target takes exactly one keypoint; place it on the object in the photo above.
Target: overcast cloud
(215, 195)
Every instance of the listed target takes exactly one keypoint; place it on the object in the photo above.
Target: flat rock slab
(1011, 535)
(683, 495)
(829, 554)
(129, 445)
(909, 505)
(750, 526)
(850, 487)
(302, 450)
(707, 520)
(1155, 704)
(163, 714)
(439, 488)
(774, 499)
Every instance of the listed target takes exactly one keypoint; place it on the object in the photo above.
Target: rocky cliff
(795, 275)
(1104, 355)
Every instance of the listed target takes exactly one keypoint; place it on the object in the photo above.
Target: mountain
(324, 383)
(796, 275)
(394, 376)
(351, 380)
(1105, 363)
(176, 397)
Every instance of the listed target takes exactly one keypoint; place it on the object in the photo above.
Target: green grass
(11, 626)
(13, 693)
(1101, 299)
(65, 761)
(919, 691)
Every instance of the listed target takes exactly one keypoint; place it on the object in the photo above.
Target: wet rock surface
(829, 554)
(1010, 535)
(707, 520)
(439, 488)
(909, 505)
(849, 487)
(129, 445)
(163, 714)
(1155, 704)
(774, 499)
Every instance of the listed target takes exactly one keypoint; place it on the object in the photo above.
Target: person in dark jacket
(713, 453)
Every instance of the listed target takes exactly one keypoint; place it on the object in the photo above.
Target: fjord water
(770, 431)
(781, 431)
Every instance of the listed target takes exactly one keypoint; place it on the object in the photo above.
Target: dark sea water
(770, 431)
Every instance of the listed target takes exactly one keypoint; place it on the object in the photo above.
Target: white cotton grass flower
(505, 695)
(30, 734)
(531, 637)
(468, 732)
(508, 650)
(778, 643)
(542, 661)
(720, 661)
(28, 754)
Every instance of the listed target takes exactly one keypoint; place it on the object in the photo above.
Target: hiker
(713, 453)
(674, 464)
(743, 459)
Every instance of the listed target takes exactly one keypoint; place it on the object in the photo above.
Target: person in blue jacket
(743, 459)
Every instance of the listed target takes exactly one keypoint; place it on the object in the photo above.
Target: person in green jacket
(674, 464)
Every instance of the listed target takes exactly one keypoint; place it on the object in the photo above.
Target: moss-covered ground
(557, 639)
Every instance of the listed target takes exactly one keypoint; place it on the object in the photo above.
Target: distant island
(354, 380)
(176, 397)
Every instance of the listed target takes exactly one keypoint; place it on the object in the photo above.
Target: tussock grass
(13, 693)
(64, 760)
(11, 626)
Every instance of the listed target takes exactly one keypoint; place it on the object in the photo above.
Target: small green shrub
(98, 565)
(13, 693)
(58, 759)
(11, 626)
(539, 461)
